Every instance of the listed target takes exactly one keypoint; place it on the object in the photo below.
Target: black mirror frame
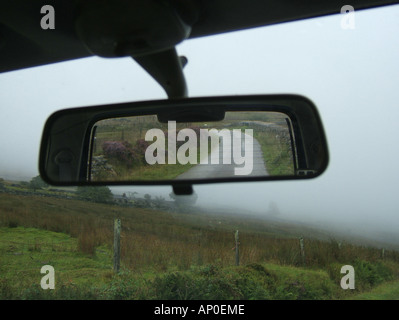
(292, 105)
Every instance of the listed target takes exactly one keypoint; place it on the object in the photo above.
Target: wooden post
(302, 245)
(383, 254)
(237, 249)
(117, 244)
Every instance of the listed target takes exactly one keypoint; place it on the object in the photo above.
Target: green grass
(172, 256)
(276, 150)
(386, 291)
(80, 275)
(25, 250)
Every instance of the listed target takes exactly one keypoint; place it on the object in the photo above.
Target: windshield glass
(289, 239)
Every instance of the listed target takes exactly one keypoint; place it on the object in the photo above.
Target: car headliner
(24, 44)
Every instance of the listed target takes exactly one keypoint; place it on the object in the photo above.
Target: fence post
(237, 249)
(302, 245)
(117, 244)
(383, 254)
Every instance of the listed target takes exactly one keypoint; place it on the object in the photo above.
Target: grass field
(386, 291)
(168, 255)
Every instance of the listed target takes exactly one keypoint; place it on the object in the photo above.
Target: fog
(351, 75)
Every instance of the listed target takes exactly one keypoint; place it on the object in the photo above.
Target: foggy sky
(352, 76)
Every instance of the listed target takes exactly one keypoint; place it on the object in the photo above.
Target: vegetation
(123, 152)
(37, 183)
(386, 291)
(95, 194)
(168, 255)
(276, 148)
(122, 143)
(127, 155)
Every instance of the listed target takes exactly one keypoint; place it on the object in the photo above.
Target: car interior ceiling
(23, 43)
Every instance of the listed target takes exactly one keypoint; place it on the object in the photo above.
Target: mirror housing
(69, 136)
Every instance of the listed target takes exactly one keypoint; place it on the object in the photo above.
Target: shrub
(124, 287)
(12, 224)
(211, 283)
(140, 147)
(125, 153)
(370, 274)
(37, 183)
(95, 194)
(121, 151)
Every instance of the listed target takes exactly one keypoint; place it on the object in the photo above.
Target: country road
(222, 169)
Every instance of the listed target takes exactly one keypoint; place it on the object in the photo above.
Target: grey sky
(351, 75)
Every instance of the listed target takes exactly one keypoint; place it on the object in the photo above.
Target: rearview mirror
(185, 141)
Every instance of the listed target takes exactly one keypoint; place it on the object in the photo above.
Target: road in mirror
(243, 144)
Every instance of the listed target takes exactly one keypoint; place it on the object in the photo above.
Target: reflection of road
(225, 170)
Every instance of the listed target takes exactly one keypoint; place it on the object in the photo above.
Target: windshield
(289, 232)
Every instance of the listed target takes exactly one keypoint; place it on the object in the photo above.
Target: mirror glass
(243, 144)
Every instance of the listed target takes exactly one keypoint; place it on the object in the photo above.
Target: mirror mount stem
(183, 189)
(166, 67)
